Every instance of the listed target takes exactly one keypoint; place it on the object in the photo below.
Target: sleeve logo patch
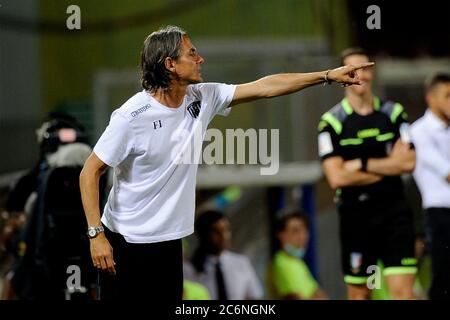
(325, 144)
(194, 109)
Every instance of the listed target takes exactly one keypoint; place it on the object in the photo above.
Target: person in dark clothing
(364, 148)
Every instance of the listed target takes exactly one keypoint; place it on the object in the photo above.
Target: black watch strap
(364, 164)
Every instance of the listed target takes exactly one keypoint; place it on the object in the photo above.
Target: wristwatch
(92, 232)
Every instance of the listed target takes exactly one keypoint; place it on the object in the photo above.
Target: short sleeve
(399, 119)
(116, 142)
(218, 95)
(399, 115)
(328, 140)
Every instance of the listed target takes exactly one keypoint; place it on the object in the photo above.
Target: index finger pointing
(363, 65)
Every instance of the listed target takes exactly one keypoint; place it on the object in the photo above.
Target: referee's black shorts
(376, 230)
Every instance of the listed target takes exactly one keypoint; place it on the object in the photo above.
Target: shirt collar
(434, 121)
(215, 259)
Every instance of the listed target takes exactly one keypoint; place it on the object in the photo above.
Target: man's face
(439, 99)
(296, 233)
(220, 236)
(365, 74)
(187, 66)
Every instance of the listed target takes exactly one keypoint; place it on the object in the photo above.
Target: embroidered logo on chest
(194, 109)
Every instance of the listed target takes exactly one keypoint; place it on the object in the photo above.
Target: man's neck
(216, 255)
(441, 116)
(361, 104)
(172, 97)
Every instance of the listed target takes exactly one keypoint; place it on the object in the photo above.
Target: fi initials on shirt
(157, 124)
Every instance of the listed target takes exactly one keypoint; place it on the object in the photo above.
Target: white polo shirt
(431, 138)
(155, 151)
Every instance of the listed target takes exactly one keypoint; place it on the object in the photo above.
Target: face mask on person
(295, 251)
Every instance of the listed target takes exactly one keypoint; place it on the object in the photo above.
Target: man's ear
(169, 64)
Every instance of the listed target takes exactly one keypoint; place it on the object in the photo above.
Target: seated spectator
(289, 276)
(226, 275)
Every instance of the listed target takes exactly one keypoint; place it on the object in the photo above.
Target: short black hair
(166, 42)
(287, 215)
(432, 81)
(353, 51)
(205, 220)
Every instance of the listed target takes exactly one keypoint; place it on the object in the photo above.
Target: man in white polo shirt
(431, 137)
(151, 205)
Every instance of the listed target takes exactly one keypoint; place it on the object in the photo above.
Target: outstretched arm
(282, 84)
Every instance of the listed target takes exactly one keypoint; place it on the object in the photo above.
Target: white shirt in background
(241, 281)
(431, 138)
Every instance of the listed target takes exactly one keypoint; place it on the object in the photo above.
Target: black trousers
(150, 271)
(438, 233)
